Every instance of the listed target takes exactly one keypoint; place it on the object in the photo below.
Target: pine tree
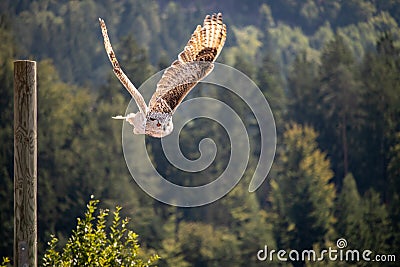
(302, 87)
(363, 221)
(376, 218)
(349, 213)
(302, 196)
(204, 245)
(80, 154)
(394, 192)
(381, 102)
(353, 11)
(6, 139)
(340, 110)
(63, 118)
(135, 60)
(271, 83)
(247, 221)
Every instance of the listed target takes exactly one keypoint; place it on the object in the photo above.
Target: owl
(194, 63)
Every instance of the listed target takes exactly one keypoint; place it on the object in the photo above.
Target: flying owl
(193, 64)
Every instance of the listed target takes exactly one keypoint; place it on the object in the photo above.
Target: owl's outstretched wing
(193, 64)
(118, 71)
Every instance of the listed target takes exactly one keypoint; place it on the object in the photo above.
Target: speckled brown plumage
(193, 64)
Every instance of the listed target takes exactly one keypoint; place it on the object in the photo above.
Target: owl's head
(158, 124)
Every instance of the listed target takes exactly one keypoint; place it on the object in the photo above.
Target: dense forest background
(329, 69)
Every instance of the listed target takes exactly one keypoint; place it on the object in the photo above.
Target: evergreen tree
(247, 221)
(302, 85)
(340, 109)
(394, 212)
(80, 154)
(203, 245)
(302, 196)
(353, 11)
(267, 20)
(107, 159)
(363, 221)
(284, 43)
(173, 40)
(271, 83)
(6, 139)
(171, 250)
(376, 218)
(354, 106)
(243, 56)
(134, 60)
(394, 192)
(63, 116)
(349, 213)
(381, 102)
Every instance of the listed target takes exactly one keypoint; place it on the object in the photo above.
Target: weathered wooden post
(25, 163)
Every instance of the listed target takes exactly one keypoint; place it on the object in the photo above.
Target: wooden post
(25, 164)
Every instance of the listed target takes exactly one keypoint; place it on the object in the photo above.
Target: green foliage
(376, 218)
(243, 55)
(5, 262)
(353, 11)
(63, 111)
(285, 42)
(363, 221)
(349, 213)
(77, 136)
(328, 65)
(93, 243)
(135, 60)
(393, 167)
(361, 37)
(302, 87)
(6, 138)
(380, 71)
(340, 97)
(201, 246)
(394, 213)
(248, 223)
(302, 196)
(267, 20)
(272, 85)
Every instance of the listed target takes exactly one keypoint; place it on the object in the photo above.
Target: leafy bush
(93, 243)
(6, 262)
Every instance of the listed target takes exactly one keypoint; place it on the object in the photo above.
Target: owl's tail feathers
(136, 119)
(119, 117)
(127, 117)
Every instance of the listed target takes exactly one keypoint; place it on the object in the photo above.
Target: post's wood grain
(25, 163)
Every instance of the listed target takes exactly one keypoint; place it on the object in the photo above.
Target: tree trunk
(345, 147)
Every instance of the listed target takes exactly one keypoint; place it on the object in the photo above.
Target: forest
(329, 69)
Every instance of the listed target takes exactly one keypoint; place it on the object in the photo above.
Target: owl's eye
(152, 119)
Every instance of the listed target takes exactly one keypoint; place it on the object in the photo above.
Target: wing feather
(118, 71)
(193, 64)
